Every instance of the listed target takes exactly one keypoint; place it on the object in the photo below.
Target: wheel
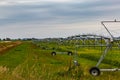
(53, 53)
(95, 71)
(76, 63)
(69, 53)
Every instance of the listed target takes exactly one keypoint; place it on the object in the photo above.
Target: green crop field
(33, 61)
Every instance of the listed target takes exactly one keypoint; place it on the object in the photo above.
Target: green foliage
(14, 56)
(30, 61)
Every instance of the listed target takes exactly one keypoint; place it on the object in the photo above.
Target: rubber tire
(95, 71)
(76, 63)
(69, 53)
(53, 53)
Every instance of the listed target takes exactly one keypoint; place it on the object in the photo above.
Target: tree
(7, 39)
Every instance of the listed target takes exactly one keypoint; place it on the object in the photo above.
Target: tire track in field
(24, 70)
(9, 45)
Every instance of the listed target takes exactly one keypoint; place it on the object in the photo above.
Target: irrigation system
(95, 71)
(57, 51)
(89, 41)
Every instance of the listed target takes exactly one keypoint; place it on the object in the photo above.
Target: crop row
(108, 60)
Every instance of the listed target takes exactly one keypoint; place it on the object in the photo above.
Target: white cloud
(45, 30)
(14, 2)
(53, 19)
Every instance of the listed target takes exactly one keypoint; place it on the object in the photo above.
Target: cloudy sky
(56, 18)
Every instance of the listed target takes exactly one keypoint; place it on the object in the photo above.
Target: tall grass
(30, 62)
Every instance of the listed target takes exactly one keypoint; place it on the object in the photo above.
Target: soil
(8, 46)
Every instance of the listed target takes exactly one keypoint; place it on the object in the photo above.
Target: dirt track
(7, 45)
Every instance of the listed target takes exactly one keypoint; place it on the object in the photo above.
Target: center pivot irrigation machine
(61, 50)
(66, 46)
(95, 71)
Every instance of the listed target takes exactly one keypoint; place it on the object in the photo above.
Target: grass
(30, 61)
(14, 56)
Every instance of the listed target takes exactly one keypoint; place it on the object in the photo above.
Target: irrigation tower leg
(104, 54)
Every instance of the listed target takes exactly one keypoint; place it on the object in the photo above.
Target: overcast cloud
(54, 18)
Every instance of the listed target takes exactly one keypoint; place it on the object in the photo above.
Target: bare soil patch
(4, 46)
